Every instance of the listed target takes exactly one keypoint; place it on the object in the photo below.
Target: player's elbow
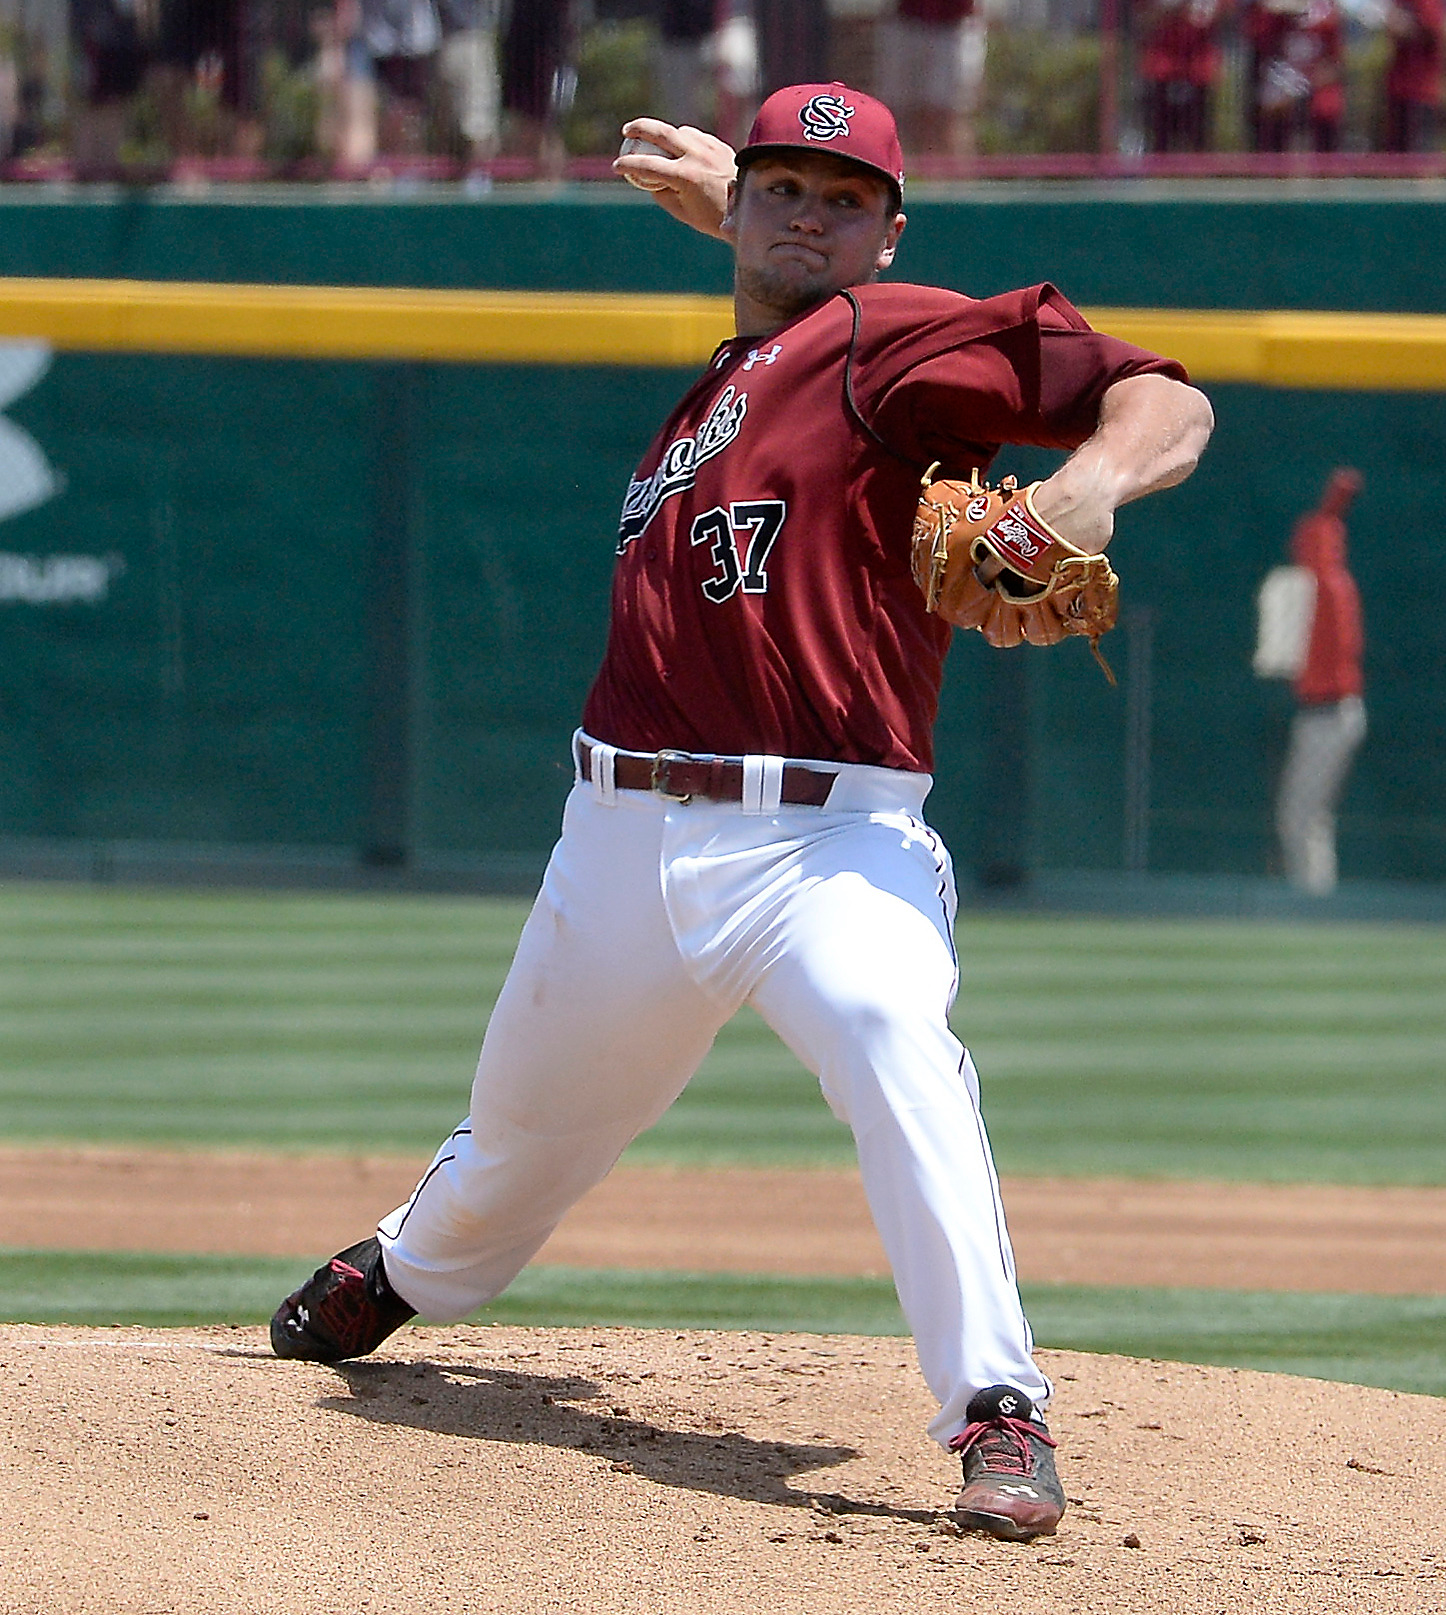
(1200, 423)
(1176, 424)
(1192, 428)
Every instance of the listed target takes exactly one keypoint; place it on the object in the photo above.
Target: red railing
(423, 169)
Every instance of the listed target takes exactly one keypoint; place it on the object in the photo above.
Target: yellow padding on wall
(1270, 348)
(1285, 348)
(345, 322)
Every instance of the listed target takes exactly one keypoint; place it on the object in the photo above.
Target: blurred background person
(931, 71)
(855, 29)
(683, 69)
(470, 75)
(735, 54)
(793, 38)
(539, 80)
(1413, 77)
(110, 51)
(1310, 631)
(347, 91)
(32, 48)
(9, 92)
(201, 78)
(1179, 69)
(1299, 86)
(403, 39)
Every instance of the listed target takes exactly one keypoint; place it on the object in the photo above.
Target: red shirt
(1178, 42)
(1415, 70)
(1332, 668)
(763, 599)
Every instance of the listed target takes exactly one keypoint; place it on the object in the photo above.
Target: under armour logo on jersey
(758, 356)
(825, 117)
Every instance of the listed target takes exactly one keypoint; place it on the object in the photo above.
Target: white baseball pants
(656, 920)
(1323, 743)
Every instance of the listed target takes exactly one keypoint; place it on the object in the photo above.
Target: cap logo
(825, 117)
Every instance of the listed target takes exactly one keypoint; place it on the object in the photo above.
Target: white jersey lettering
(678, 467)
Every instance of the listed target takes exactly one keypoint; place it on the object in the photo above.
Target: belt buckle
(658, 783)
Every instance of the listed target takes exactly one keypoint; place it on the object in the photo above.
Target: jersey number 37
(741, 538)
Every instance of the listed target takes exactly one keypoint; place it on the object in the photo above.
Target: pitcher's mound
(648, 1471)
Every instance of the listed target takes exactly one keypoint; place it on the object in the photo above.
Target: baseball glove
(1046, 588)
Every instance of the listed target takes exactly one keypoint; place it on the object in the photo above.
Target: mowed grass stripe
(351, 1022)
(1312, 1022)
(1390, 1341)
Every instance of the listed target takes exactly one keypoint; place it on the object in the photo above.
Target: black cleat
(1011, 1488)
(344, 1309)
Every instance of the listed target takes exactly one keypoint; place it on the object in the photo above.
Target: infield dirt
(500, 1469)
(482, 1469)
(1065, 1231)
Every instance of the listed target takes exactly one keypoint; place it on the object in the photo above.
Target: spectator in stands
(735, 52)
(374, 70)
(1179, 66)
(793, 40)
(682, 67)
(111, 53)
(931, 72)
(9, 94)
(22, 91)
(1413, 79)
(469, 74)
(403, 38)
(1299, 92)
(347, 116)
(202, 44)
(538, 80)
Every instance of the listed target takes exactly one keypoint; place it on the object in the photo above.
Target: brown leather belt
(682, 777)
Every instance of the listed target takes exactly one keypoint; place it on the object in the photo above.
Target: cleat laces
(1002, 1444)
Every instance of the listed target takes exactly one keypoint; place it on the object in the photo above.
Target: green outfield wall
(353, 607)
(1348, 245)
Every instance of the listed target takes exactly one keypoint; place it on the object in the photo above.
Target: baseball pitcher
(747, 819)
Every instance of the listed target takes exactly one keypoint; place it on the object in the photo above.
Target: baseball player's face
(803, 226)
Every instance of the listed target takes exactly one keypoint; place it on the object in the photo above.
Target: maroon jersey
(763, 599)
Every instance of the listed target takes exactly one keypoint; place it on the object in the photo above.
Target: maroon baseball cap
(829, 118)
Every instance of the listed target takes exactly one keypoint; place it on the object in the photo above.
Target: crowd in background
(1296, 53)
(102, 89)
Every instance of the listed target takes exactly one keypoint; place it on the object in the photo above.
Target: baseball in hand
(633, 147)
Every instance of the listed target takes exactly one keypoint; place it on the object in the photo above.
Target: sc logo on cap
(825, 117)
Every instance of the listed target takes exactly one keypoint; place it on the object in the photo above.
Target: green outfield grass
(1145, 1048)
(1390, 1341)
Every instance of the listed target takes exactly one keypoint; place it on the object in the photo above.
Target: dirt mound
(529, 1470)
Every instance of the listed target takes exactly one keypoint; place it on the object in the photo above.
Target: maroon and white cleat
(1011, 1488)
(345, 1309)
